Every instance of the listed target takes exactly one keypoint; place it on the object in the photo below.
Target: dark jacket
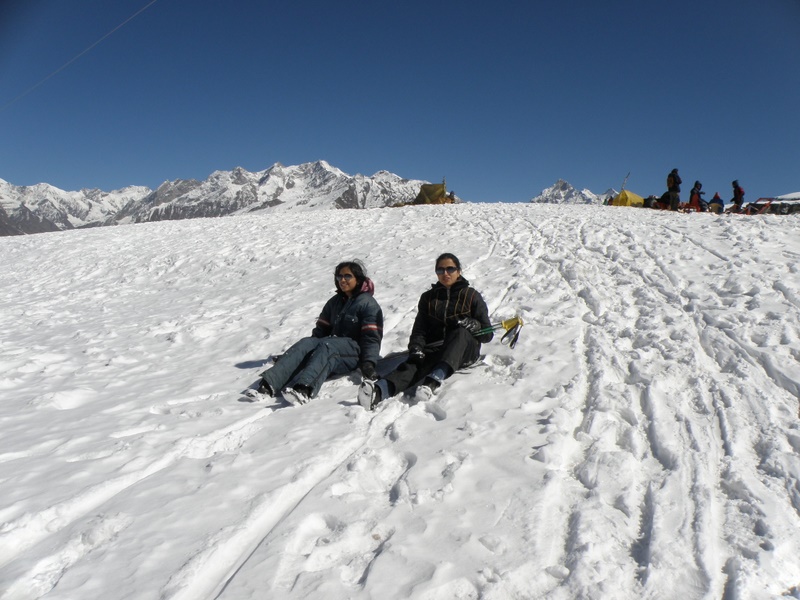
(738, 195)
(440, 309)
(359, 318)
(676, 182)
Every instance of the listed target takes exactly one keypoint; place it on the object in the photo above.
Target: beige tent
(434, 193)
(626, 198)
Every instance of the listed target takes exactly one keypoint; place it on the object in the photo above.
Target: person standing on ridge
(738, 197)
(674, 189)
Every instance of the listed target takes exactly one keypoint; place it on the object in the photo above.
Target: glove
(368, 371)
(415, 355)
(470, 324)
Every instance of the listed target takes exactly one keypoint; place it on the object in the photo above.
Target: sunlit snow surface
(642, 440)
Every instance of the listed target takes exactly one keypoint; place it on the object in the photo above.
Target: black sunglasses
(448, 270)
(345, 276)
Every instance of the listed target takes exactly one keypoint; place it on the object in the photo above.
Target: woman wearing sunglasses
(347, 335)
(451, 324)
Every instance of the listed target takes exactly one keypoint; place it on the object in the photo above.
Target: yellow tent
(433, 193)
(626, 198)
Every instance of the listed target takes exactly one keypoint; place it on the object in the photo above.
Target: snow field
(640, 441)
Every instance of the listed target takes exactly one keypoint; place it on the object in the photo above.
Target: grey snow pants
(311, 361)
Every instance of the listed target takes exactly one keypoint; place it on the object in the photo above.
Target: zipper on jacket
(340, 316)
(444, 320)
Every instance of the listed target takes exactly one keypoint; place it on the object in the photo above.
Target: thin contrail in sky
(77, 56)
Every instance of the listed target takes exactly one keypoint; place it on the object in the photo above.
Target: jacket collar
(460, 284)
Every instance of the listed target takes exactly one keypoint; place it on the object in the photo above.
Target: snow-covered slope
(642, 440)
(562, 192)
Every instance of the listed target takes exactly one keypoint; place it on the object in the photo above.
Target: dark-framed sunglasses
(448, 270)
(345, 276)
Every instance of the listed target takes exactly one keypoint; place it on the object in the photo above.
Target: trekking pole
(512, 326)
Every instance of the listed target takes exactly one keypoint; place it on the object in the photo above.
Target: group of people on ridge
(672, 200)
(451, 324)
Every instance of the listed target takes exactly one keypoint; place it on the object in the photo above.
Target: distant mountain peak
(562, 192)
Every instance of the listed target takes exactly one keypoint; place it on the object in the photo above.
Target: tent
(430, 193)
(434, 193)
(627, 198)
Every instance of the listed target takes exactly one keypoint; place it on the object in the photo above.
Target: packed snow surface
(641, 441)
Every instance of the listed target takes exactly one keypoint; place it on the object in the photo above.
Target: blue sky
(500, 98)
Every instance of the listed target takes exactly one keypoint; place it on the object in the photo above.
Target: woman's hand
(368, 370)
(470, 324)
(415, 355)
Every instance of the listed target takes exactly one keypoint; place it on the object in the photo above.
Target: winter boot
(261, 392)
(371, 393)
(299, 394)
(264, 388)
(427, 389)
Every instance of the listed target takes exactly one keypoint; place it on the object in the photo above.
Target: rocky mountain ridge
(318, 185)
(309, 186)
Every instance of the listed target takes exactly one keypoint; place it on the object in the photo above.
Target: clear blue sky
(502, 98)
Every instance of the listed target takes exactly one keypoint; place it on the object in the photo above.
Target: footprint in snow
(324, 543)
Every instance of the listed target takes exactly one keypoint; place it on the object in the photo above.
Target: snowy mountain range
(41, 208)
(317, 185)
(563, 193)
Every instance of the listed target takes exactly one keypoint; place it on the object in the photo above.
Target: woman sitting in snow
(451, 324)
(347, 335)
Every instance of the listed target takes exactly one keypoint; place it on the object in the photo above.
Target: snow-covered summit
(562, 192)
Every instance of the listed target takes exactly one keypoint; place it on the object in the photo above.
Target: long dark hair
(445, 256)
(357, 268)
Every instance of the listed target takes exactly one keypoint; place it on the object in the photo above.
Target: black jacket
(359, 318)
(676, 182)
(440, 309)
(738, 195)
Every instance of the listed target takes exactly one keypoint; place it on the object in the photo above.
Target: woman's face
(346, 281)
(447, 272)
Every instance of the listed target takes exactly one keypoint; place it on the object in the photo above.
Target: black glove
(470, 324)
(368, 370)
(415, 355)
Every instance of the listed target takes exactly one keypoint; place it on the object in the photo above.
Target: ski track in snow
(640, 442)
